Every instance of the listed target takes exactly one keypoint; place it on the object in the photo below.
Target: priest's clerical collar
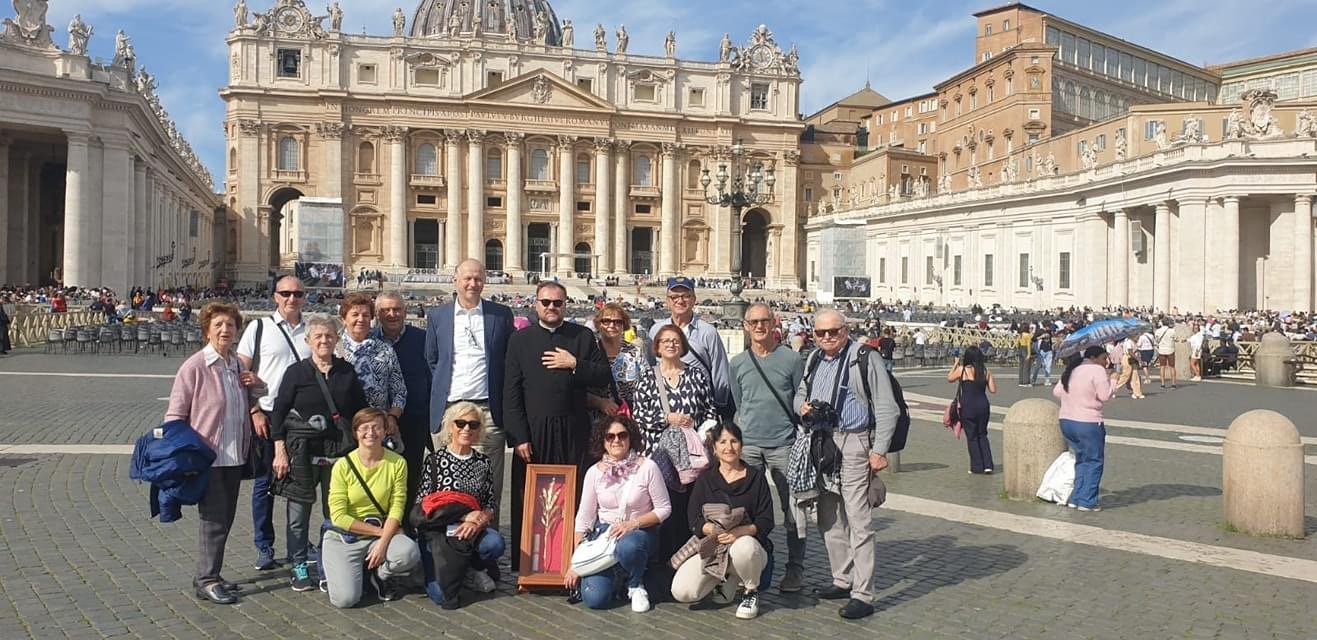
(550, 329)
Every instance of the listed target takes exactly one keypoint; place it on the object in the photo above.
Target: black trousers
(975, 427)
(216, 509)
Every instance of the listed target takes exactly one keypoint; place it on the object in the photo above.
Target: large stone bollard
(1031, 441)
(1273, 361)
(1262, 475)
(1182, 352)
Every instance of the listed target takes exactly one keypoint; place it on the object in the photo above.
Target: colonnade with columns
(1232, 251)
(122, 213)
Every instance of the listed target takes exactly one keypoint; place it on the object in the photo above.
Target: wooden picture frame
(548, 525)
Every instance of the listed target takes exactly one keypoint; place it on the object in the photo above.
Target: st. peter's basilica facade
(483, 130)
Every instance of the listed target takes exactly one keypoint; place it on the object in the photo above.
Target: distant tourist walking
(1023, 347)
(974, 382)
(1164, 338)
(1083, 389)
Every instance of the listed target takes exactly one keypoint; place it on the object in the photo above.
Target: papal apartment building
(1067, 166)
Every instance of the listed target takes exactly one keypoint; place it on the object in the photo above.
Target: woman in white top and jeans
(624, 497)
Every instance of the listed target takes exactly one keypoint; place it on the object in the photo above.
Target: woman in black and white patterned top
(459, 467)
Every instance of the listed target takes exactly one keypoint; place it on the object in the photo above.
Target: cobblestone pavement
(80, 559)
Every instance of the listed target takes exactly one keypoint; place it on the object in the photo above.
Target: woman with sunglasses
(624, 358)
(459, 468)
(624, 498)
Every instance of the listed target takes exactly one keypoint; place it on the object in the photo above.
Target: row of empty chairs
(164, 338)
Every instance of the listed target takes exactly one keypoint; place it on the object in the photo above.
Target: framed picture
(548, 516)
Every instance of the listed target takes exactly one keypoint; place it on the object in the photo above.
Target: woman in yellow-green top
(367, 500)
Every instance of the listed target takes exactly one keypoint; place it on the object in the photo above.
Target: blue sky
(906, 46)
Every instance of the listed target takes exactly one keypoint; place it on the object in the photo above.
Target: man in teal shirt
(764, 379)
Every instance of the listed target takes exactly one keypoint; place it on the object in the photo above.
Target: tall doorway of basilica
(642, 250)
(537, 244)
(754, 244)
(584, 263)
(426, 244)
(493, 255)
(280, 243)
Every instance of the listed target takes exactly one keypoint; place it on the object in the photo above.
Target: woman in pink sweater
(1084, 388)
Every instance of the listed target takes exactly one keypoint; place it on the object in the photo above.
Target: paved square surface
(79, 557)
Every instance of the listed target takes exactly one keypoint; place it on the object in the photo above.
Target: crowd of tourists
(399, 433)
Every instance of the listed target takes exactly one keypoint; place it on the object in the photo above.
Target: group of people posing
(400, 434)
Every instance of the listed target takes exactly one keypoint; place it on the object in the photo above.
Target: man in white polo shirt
(268, 347)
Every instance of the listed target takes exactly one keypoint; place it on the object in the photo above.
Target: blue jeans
(262, 499)
(1088, 441)
(1043, 364)
(633, 552)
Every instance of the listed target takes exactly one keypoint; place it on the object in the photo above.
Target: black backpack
(1045, 344)
(902, 432)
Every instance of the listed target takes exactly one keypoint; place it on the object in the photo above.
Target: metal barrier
(32, 329)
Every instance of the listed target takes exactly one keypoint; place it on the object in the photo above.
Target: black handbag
(336, 445)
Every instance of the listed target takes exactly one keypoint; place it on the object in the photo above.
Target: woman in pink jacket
(1084, 388)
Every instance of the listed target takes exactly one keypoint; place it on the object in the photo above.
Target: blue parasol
(1100, 334)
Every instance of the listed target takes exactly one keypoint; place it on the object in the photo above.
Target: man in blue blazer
(466, 342)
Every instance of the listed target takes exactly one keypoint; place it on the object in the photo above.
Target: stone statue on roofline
(670, 44)
(600, 38)
(79, 34)
(335, 18)
(623, 39)
(399, 22)
(240, 14)
(568, 34)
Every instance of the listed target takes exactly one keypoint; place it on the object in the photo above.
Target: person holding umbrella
(1084, 388)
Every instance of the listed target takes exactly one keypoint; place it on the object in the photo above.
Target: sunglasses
(296, 294)
(617, 321)
(469, 425)
(616, 436)
(556, 304)
(828, 333)
(759, 321)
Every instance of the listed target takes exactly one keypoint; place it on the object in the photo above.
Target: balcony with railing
(644, 191)
(283, 175)
(425, 181)
(541, 186)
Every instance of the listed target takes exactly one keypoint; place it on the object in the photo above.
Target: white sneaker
(749, 607)
(478, 581)
(1197, 378)
(639, 599)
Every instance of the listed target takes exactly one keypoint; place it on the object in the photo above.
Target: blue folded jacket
(176, 461)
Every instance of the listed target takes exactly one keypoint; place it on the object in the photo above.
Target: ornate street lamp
(751, 185)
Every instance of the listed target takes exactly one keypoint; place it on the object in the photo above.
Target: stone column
(671, 194)
(1190, 290)
(1228, 244)
(475, 195)
(1161, 265)
(141, 244)
(1094, 262)
(252, 244)
(453, 179)
(546, 266)
(1303, 252)
(398, 178)
(1120, 260)
(515, 246)
(602, 205)
(116, 218)
(332, 181)
(79, 262)
(566, 204)
(16, 244)
(621, 206)
(4, 208)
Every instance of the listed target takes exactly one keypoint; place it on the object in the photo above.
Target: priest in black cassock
(550, 365)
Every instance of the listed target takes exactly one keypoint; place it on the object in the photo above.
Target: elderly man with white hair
(866, 414)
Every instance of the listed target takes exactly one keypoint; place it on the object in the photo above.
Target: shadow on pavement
(921, 566)
(1150, 492)
(921, 466)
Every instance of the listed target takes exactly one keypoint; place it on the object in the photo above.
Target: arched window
(494, 164)
(644, 174)
(1101, 106)
(427, 160)
(287, 160)
(1071, 97)
(493, 255)
(693, 175)
(1085, 104)
(233, 161)
(366, 158)
(539, 164)
(583, 168)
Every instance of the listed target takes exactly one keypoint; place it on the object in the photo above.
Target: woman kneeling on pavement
(731, 514)
(624, 498)
(367, 501)
(455, 506)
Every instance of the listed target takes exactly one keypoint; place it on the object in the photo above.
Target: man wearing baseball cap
(706, 346)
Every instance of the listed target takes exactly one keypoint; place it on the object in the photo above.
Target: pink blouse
(644, 490)
(1090, 387)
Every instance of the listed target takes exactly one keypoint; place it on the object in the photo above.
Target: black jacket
(299, 390)
(751, 493)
